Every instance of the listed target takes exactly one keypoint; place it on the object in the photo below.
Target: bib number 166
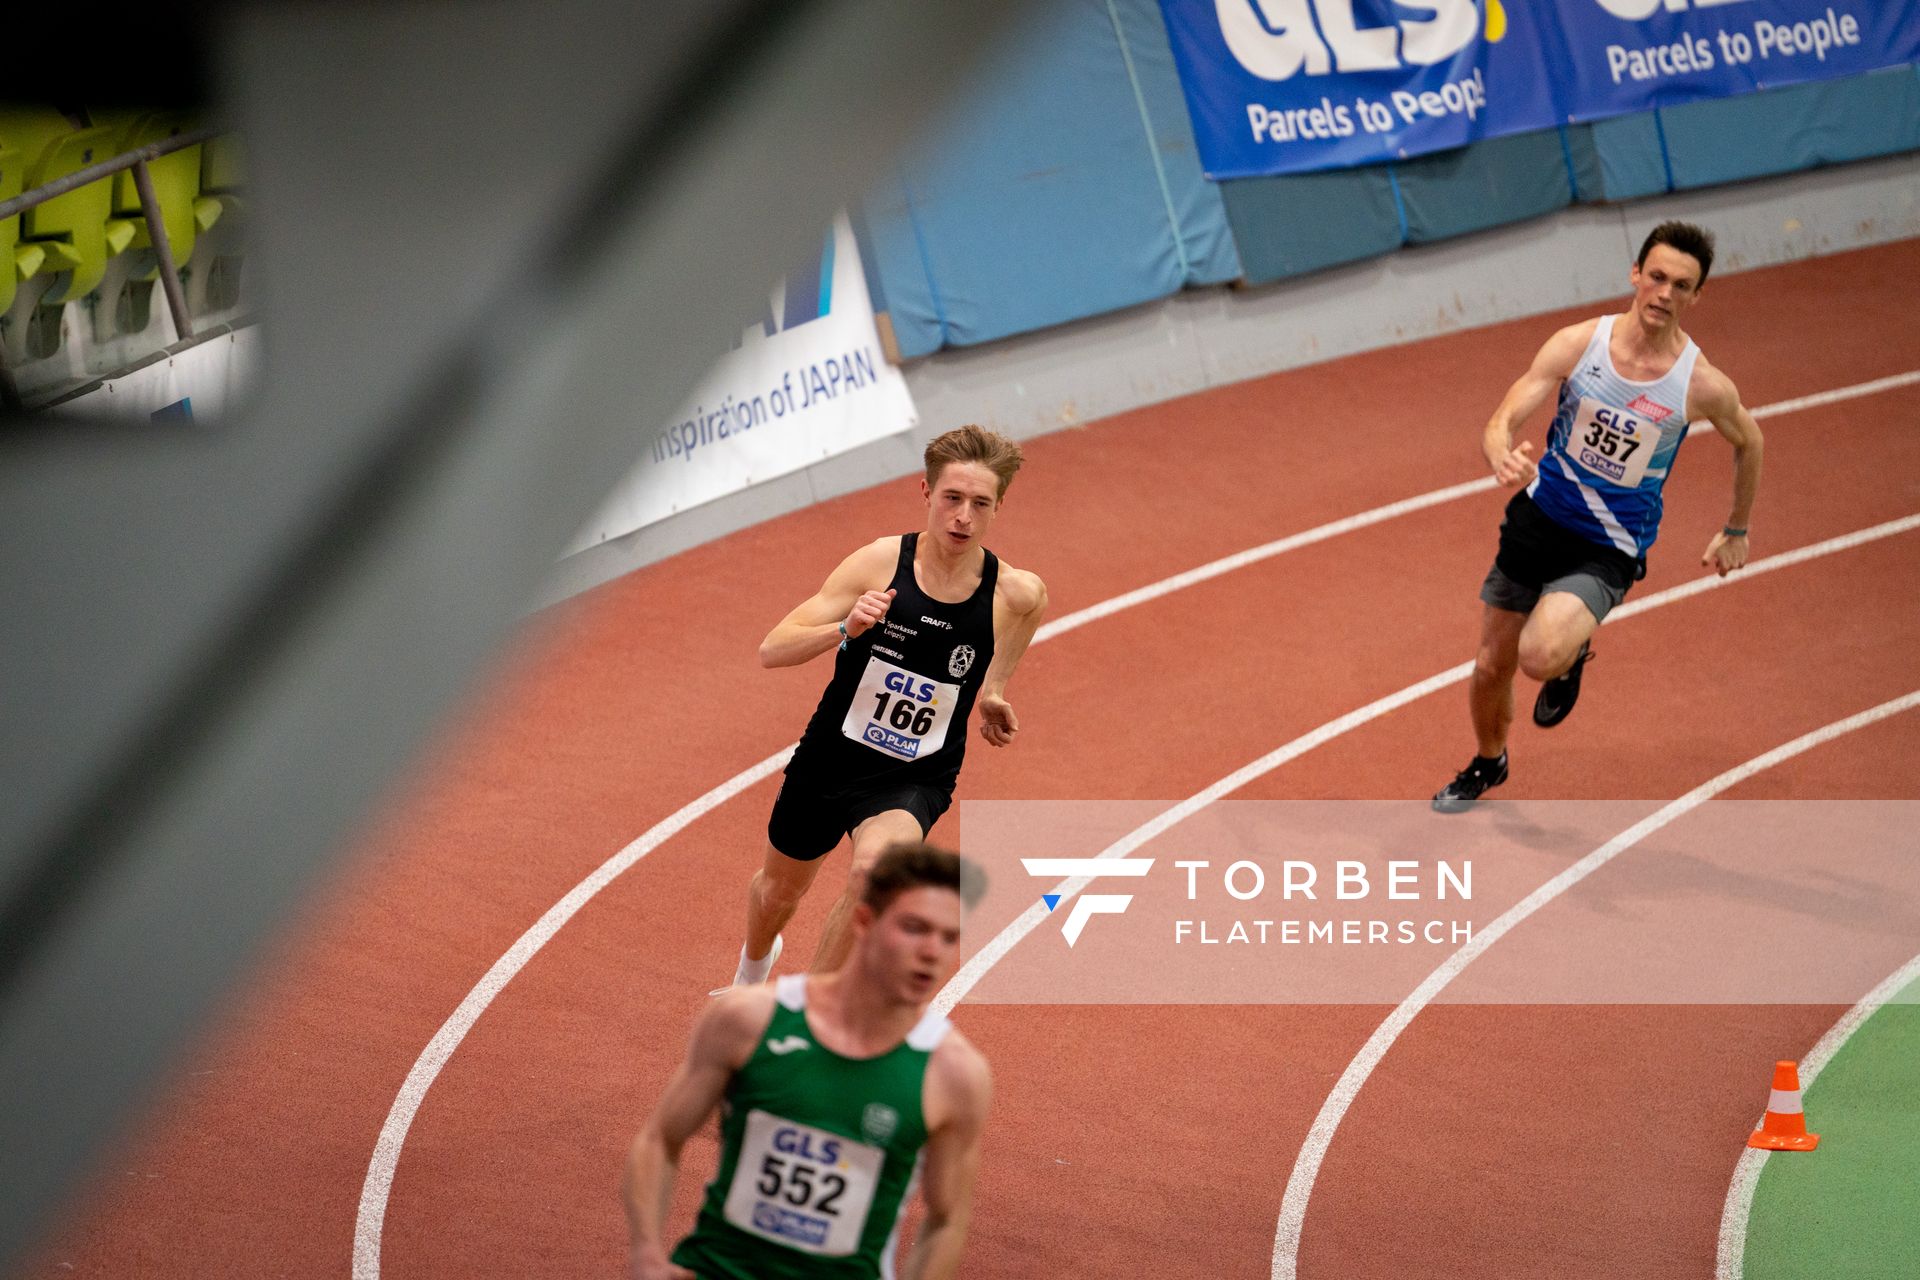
(904, 714)
(899, 713)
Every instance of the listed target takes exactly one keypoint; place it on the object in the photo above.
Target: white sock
(752, 971)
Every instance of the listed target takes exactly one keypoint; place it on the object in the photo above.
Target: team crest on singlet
(961, 661)
(878, 1122)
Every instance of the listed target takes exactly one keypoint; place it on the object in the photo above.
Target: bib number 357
(1612, 443)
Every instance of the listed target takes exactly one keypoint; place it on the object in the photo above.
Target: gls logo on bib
(1274, 39)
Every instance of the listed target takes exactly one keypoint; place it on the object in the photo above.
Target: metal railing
(135, 160)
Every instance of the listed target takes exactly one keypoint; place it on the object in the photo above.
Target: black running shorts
(1538, 555)
(808, 819)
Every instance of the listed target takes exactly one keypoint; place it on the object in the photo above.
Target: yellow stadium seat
(71, 228)
(176, 182)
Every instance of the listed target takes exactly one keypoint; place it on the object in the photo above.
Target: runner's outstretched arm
(1026, 604)
(723, 1039)
(953, 1162)
(848, 596)
(1719, 400)
(1555, 360)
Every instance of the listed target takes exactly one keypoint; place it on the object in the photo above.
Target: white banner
(806, 383)
(195, 384)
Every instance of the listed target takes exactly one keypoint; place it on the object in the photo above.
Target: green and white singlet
(818, 1155)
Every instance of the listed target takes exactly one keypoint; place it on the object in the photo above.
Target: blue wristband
(1732, 532)
(844, 637)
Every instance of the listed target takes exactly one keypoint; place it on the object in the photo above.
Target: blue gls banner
(1609, 57)
(1284, 86)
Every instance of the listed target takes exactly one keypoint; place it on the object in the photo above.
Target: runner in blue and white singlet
(1575, 539)
(1612, 446)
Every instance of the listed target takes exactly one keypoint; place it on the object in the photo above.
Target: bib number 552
(793, 1181)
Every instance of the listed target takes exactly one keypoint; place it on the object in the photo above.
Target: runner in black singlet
(925, 628)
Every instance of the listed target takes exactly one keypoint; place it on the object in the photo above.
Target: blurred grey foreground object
(499, 241)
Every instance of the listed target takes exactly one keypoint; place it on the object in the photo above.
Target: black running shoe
(1558, 695)
(1470, 784)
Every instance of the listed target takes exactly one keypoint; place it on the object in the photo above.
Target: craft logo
(961, 661)
(1275, 39)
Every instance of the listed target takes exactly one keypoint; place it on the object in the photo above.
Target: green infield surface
(1851, 1208)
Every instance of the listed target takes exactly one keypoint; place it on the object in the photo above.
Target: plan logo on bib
(960, 661)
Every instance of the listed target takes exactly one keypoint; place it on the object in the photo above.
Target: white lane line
(393, 1134)
(1854, 392)
(1731, 1259)
(1306, 1166)
(1266, 551)
(426, 1069)
(1432, 498)
(996, 950)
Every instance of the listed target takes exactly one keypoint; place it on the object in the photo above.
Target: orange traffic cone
(1784, 1128)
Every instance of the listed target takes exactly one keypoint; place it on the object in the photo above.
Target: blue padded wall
(1067, 185)
(1488, 184)
(1704, 144)
(1293, 225)
(1303, 222)
(1789, 129)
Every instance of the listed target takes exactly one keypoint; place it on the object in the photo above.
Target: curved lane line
(1731, 1257)
(1306, 1167)
(977, 966)
(393, 1134)
(378, 1185)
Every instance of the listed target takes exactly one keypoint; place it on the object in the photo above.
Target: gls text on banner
(1285, 86)
(806, 382)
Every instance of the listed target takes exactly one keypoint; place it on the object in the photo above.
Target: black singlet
(897, 707)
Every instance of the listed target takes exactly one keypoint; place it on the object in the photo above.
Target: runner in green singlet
(837, 1093)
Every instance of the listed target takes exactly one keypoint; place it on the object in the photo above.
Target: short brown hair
(1695, 242)
(974, 444)
(916, 865)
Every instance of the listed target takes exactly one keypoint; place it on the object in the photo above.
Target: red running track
(1126, 1140)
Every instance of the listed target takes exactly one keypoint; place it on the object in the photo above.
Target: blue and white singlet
(1611, 446)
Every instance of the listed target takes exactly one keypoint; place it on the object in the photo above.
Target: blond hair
(974, 444)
